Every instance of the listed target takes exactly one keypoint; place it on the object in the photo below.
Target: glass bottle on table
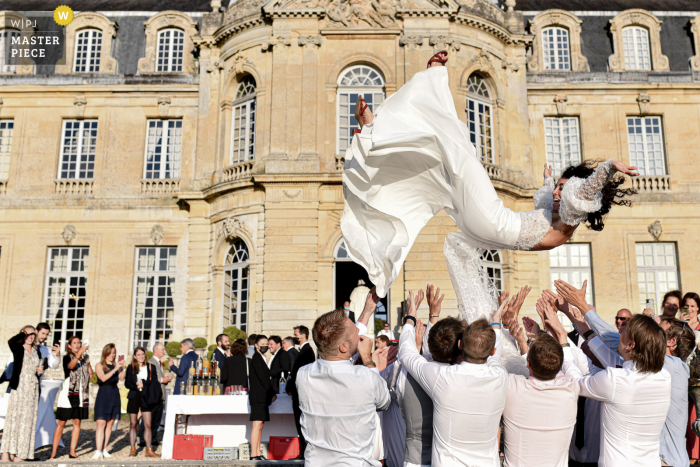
(191, 369)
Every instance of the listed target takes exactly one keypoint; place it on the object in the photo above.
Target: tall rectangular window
(78, 149)
(88, 48)
(8, 63)
(163, 149)
(555, 47)
(171, 45)
(64, 296)
(243, 131)
(571, 263)
(657, 271)
(154, 309)
(646, 144)
(635, 48)
(6, 129)
(562, 145)
(480, 122)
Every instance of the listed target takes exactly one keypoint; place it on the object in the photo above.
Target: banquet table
(46, 419)
(225, 417)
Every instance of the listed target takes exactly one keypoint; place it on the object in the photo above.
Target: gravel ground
(118, 445)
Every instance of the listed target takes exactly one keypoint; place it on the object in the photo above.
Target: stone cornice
(238, 26)
(297, 13)
(492, 28)
(415, 13)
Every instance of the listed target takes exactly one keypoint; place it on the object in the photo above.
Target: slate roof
(607, 5)
(109, 5)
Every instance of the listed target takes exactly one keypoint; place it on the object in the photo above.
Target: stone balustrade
(160, 186)
(237, 171)
(652, 183)
(73, 186)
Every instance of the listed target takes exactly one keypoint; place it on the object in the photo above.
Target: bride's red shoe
(440, 57)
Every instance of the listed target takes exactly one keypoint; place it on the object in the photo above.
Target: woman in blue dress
(107, 404)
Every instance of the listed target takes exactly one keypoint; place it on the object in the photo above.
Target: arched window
(88, 49)
(491, 261)
(8, 64)
(353, 82)
(243, 121)
(555, 47)
(480, 117)
(171, 45)
(635, 47)
(236, 286)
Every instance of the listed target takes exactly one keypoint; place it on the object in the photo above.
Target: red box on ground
(283, 448)
(191, 447)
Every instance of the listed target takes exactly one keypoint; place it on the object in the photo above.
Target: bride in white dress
(414, 159)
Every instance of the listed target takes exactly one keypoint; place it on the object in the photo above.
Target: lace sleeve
(579, 196)
(534, 225)
(543, 196)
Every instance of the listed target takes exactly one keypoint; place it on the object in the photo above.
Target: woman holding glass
(107, 404)
(74, 398)
(234, 371)
(20, 422)
(144, 395)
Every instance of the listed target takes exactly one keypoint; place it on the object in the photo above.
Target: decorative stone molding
(480, 61)
(644, 101)
(444, 42)
(25, 66)
(164, 106)
(274, 41)
(695, 29)
(232, 228)
(411, 42)
(560, 100)
(160, 186)
(73, 187)
(157, 234)
(1, 103)
(309, 41)
(79, 103)
(239, 64)
(3, 187)
(215, 5)
(69, 233)
(339, 163)
(163, 20)
(90, 20)
(637, 17)
(376, 14)
(655, 230)
(565, 20)
(513, 67)
(215, 65)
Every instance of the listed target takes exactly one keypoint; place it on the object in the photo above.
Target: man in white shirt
(53, 355)
(469, 398)
(387, 332)
(382, 342)
(339, 400)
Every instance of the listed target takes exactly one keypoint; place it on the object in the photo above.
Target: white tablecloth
(226, 418)
(46, 419)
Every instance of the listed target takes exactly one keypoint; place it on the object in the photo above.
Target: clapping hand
(575, 297)
(624, 168)
(513, 309)
(532, 329)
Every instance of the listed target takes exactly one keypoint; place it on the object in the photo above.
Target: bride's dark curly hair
(612, 194)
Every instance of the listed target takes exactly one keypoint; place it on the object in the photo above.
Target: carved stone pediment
(232, 228)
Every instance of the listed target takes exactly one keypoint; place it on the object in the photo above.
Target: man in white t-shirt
(387, 332)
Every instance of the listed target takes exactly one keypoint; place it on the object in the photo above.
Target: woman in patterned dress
(20, 423)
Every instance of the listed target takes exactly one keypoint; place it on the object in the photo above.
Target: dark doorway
(347, 274)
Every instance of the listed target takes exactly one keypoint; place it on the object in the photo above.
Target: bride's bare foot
(362, 112)
(439, 59)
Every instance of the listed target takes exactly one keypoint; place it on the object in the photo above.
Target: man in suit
(280, 364)
(348, 313)
(288, 346)
(189, 357)
(221, 350)
(306, 356)
(157, 413)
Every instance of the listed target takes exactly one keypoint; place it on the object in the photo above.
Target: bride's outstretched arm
(543, 196)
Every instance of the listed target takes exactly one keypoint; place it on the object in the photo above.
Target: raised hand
(552, 322)
(434, 303)
(380, 359)
(648, 312)
(559, 302)
(511, 313)
(624, 168)
(392, 354)
(519, 335)
(547, 170)
(575, 297)
(370, 306)
(420, 332)
(496, 315)
(532, 329)
(364, 348)
(413, 302)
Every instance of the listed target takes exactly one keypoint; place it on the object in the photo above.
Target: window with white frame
(171, 46)
(6, 129)
(163, 149)
(555, 47)
(571, 263)
(635, 48)
(480, 117)
(154, 288)
(8, 63)
(243, 122)
(646, 144)
(657, 272)
(562, 144)
(358, 80)
(236, 286)
(88, 49)
(493, 265)
(64, 295)
(78, 148)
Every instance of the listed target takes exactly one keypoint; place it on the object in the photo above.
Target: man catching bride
(414, 158)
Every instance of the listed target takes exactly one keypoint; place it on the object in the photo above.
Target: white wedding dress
(416, 159)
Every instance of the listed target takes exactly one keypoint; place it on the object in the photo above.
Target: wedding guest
(689, 313)
(144, 395)
(623, 315)
(108, 407)
(260, 396)
(689, 305)
(306, 357)
(189, 357)
(52, 355)
(640, 391)
(382, 342)
(280, 364)
(235, 369)
(288, 346)
(340, 433)
(671, 303)
(387, 332)
(19, 432)
(470, 396)
(157, 413)
(350, 314)
(74, 398)
(222, 349)
(251, 345)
